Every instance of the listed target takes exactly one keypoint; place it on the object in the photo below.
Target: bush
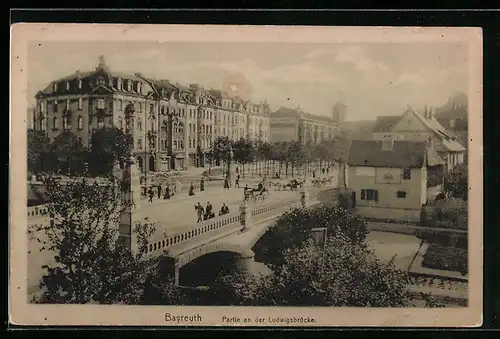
(446, 258)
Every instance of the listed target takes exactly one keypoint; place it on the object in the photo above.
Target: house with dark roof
(414, 126)
(392, 179)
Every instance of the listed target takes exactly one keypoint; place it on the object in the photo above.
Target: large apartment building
(294, 124)
(173, 125)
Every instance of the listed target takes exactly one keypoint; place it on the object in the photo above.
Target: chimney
(388, 143)
(139, 75)
(431, 113)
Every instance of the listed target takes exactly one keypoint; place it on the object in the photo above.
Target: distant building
(413, 126)
(30, 118)
(294, 124)
(392, 179)
(454, 116)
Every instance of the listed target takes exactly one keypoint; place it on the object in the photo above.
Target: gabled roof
(405, 154)
(385, 123)
(448, 139)
(284, 111)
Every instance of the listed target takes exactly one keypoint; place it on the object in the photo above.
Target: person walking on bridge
(199, 209)
(202, 185)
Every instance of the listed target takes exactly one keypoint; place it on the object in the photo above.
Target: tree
(109, 145)
(38, 145)
(243, 150)
(69, 152)
(90, 264)
(341, 275)
(294, 155)
(294, 227)
(456, 182)
(222, 150)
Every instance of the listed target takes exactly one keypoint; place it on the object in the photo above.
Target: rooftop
(404, 154)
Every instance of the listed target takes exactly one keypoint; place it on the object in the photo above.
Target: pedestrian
(208, 211)
(323, 171)
(237, 182)
(224, 209)
(159, 191)
(226, 183)
(167, 193)
(237, 169)
(191, 190)
(202, 185)
(151, 194)
(199, 210)
(327, 170)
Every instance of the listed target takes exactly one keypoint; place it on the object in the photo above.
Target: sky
(372, 79)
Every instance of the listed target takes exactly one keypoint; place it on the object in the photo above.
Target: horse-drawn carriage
(259, 193)
(292, 185)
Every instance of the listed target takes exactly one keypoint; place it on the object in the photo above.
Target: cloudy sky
(371, 79)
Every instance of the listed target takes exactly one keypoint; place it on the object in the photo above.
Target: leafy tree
(294, 227)
(280, 151)
(243, 150)
(69, 152)
(294, 155)
(222, 150)
(91, 265)
(109, 145)
(38, 145)
(341, 275)
(456, 182)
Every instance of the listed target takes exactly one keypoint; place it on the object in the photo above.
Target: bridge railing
(204, 229)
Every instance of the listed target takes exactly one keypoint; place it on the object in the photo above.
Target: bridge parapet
(209, 229)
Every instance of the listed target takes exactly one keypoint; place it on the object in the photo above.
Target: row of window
(101, 81)
(372, 195)
(66, 124)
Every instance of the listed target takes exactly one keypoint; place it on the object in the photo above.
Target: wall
(283, 129)
(387, 181)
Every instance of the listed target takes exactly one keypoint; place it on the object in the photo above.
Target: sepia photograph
(245, 176)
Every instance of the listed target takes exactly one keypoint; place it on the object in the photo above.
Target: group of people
(191, 187)
(159, 190)
(207, 212)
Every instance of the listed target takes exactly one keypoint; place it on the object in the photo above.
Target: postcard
(205, 175)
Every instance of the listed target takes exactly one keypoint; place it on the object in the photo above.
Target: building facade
(413, 126)
(295, 125)
(173, 125)
(392, 179)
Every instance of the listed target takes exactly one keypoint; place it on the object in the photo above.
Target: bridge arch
(213, 247)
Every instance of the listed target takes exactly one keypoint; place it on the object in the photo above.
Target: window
(100, 104)
(138, 87)
(55, 87)
(100, 81)
(401, 194)
(67, 85)
(100, 123)
(67, 105)
(407, 173)
(139, 143)
(151, 108)
(139, 125)
(369, 194)
(119, 84)
(129, 85)
(175, 143)
(80, 84)
(80, 123)
(55, 106)
(80, 140)
(120, 123)
(152, 125)
(120, 105)
(66, 125)
(55, 124)
(140, 107)
(452, 123)
(80, 103)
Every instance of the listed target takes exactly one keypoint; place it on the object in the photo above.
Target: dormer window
(67, 85)
(100, 104)
(119, 84)
(55, 86)
(138, 87)
(100, 81)
(80, 83)
(129, 85)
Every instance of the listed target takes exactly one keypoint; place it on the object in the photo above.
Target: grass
(446, 258)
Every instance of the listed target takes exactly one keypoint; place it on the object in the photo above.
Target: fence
(39, 210)
(210, 226)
